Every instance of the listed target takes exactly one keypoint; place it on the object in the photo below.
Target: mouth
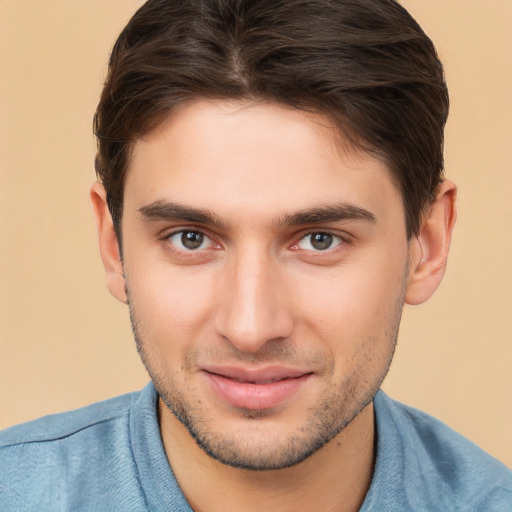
(255, 389)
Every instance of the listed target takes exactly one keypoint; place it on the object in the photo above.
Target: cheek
(354, 305)
(171, 306)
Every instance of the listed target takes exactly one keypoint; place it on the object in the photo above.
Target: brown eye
(319, 241)
(190, 240)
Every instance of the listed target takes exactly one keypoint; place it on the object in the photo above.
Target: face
(265, 269)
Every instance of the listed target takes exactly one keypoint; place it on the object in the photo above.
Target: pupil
(191, 239)
(321, 241)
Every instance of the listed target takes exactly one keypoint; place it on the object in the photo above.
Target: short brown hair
(365, 63)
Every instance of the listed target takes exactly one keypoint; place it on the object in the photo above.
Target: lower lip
(246, 395)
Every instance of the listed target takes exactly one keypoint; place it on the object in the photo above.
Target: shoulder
(67, 424)
(80, 460)
(439, 465)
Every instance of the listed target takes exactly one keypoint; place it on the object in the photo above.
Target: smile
(259, 382)
(255, 389)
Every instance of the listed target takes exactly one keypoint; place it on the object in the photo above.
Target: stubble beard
(327, 418)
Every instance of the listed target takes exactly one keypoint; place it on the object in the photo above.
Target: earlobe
(429, 250)
(108, 243)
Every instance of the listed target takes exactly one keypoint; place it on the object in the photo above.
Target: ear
(109, 246)
(429, 250)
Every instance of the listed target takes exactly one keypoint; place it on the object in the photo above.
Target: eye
(189, 240)
(319, 241)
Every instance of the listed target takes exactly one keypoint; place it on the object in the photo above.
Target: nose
(253, 306)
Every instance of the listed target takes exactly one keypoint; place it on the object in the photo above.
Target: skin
(258, 291)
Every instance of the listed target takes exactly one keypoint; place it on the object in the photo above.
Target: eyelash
(188, 252)
(335, 239)
(183, 232)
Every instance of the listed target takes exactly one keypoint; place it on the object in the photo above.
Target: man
(270, 196)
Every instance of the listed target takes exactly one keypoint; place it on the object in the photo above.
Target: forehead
(236, 157)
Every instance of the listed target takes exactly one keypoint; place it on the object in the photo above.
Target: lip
(255, 389)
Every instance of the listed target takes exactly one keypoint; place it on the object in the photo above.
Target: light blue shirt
(109, 457)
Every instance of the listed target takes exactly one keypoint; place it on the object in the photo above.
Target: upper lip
(262, 375)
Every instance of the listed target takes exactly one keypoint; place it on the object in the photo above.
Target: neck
(336, 477)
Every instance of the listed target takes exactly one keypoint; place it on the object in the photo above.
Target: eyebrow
(164, 210)
(329, 213)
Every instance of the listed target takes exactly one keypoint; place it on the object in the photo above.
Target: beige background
(64, 342)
